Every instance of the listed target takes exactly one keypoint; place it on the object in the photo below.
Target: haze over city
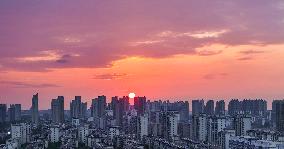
(162, 49)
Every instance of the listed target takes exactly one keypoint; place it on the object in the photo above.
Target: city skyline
(161, 49)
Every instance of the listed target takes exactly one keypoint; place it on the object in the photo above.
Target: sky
(161, 49)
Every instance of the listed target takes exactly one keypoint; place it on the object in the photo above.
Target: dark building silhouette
(257, 107)
(209, 108)
(197, 107)
(279, 114)
(34, 110)
(119, 106)
(3, 112)
(98, 106)
(14, 112)
(220, 107)
(57, 109)
(140, 105)
(77, 108)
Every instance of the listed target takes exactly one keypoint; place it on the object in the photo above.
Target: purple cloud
(18, 84)
(95, 33)
(110, 76)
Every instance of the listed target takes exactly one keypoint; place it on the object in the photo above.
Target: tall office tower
(57, 109)
(279, 114)
(220, 107)
(215, 124)
(143, 126)
(98, 106)
(140, 105)
(21, 131)
(199, 127)
(77, 108)
(234, 107)
(3, 112)
(11, 113)
(242, 124)
(209, 108)
(34, 109)
(197, 107)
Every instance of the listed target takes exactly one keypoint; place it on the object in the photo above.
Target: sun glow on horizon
(131, 95)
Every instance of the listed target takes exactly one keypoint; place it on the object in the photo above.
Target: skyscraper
(197, 107)
(3, 112)
(34, 109)
(98, 106)
(57, 109)
(279, 114)
(209, 108)
(220, 107)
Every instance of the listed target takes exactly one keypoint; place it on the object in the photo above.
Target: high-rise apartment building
(197, 107)
(78, 109)
(57, 109)
(242, 124)
(34, 110)
(279, 114)
(209, 108)
(3, 112)
(220, 107)
(140, 105)
(22, 132)
(14, 112)
(98, 106)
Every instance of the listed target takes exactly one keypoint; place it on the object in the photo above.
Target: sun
(131, 95)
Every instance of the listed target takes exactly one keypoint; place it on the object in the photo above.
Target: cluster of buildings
(146, 124)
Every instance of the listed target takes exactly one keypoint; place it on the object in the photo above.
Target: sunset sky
(163, 49)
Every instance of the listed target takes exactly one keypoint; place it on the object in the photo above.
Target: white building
(75, 122)
(241, 125)
(199, 127)
(251, 142)
(12, 144)
(173, 125)
(21, 131)
(224, 137)
(214, 126)
(83, 133)
(143, 126)
(113, 131)
(55, 134)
